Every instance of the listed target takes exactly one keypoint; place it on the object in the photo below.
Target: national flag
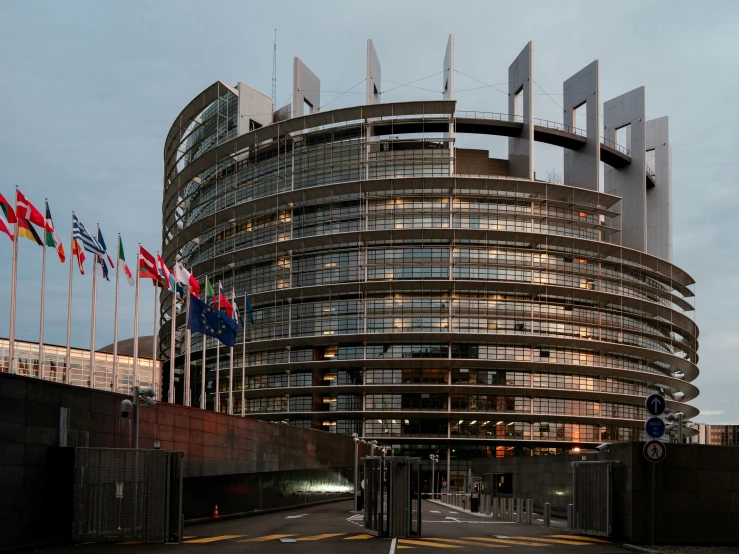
(223, 304)
(209, 294)
(184, 277)
(166, 275)
(122, 262)
(249, 309)
(7, 210)
(25, 229)
(79, 254)
(52, 239)
(25, 210)
(101, 242)
(236, 314)
(147, 266)
(5, 226)
(85, 239)
(180, 292)
(103, 266)
(212, 322)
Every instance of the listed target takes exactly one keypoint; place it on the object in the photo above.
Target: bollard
(511, 509)
(547, 514)
(530, 511)
(570, 517)
(498, 508)
(519, 509)
(488, 505)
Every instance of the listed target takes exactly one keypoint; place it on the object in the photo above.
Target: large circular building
(425, 295)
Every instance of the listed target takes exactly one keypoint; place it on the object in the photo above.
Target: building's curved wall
(481, 311)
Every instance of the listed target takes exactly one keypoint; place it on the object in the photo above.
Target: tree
(555, 176)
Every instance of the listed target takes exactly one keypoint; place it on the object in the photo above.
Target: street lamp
(373, 445)
(357, 440)
(434, 460)
(676, 422)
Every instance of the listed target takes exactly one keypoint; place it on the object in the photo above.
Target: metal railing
(493, 116)
(650, 173)
(615, 146)
(560, 127)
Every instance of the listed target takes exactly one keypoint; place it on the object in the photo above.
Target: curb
(634, 548)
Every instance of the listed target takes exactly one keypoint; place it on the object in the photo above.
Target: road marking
(555, 541)
(267, 538)
(357, 537)
(296, 517)
(453, 512)
(393, 545)
(506, 541)
(578, 538)
(457, 541)
(435, 512)
(213, 539)
(427, 543)
(319, 537)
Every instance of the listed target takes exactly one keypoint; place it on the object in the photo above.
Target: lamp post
(434, 460)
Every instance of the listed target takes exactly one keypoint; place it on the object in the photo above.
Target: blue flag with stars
(211, 321)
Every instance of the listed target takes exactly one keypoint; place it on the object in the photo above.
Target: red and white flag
(25, 210)
(147, 265)
(7, 217)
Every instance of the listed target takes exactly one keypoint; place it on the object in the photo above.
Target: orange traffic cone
(215, 512)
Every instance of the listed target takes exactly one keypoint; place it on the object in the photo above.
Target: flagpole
(172, 346)
(203, 399)
(243, 360)
(186, 391)
(136, 319)
(231, 372)
(67, 370)
(91, 382)
(217, 403)
(13, 281)
(43, 295)
(114, 383)
(154, 376)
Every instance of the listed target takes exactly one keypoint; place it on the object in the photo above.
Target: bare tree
(555, 176)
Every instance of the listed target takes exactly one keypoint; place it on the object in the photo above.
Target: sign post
(654, 450)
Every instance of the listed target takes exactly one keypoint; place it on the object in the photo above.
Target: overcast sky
(88, 91)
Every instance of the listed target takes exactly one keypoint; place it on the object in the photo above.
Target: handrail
(650, 172)
(560, 127)
(495, 116)
(615, 146)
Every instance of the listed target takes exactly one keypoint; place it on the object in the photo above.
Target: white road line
(435, 512)
(392, 546)
(295, 517)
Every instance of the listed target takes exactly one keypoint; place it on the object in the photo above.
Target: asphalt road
(332, 528)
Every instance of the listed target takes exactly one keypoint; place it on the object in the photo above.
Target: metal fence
(593, 498)
(392, 496)
(127, 495)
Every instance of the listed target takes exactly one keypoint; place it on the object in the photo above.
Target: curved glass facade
(400, 294)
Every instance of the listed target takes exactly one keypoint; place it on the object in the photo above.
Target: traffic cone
(215, 512)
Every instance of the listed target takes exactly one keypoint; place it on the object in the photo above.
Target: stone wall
(36, 415)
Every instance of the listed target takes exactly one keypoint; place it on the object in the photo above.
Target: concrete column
(521, 81)
(582, 166)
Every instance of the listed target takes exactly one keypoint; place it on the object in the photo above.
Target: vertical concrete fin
(449, 69)
(582, 166)
(659, 196)
(255, 109)
(374, 82)
(306, 88)
(629, 182)
(521, 86)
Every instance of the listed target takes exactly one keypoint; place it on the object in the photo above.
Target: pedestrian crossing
(428, 543)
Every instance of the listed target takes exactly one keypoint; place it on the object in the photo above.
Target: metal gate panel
(593, 498)
(392, 499)
(124, 495)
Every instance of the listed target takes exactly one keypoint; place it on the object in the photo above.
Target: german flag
(25, 229)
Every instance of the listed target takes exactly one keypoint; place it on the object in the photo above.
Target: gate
(392, 486)
(593, 498)
(127, 495)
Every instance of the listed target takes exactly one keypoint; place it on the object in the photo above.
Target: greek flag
(87, 241)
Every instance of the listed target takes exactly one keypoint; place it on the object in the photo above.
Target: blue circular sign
(655, 404)
(655, 427)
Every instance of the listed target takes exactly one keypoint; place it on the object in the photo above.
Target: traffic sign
(655, 404)
(443, 483)
(654, 427)
(655, 451)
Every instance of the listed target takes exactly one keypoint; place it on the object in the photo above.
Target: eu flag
(211, 321)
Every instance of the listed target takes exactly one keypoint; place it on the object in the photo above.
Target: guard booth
(392, 504)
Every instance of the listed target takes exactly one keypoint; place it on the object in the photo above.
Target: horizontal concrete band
(507, 417)
(684, 386)
(489, 390)
(552, 194)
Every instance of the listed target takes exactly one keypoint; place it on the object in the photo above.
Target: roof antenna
(274, 74)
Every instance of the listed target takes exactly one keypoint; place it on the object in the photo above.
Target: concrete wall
(697, 490)
(36, 415)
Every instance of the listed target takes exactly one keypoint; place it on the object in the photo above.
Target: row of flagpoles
(19, 221)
